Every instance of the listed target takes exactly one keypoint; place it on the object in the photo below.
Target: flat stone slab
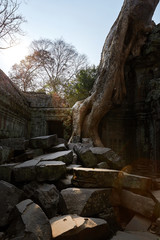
(86, 202)
(134, 236)
(58, 148)
(138, 223)
(138, 203)
(26, 171)
(75, 227)
(43, 142)
(64, 156)
(50, 170)
(105, 178)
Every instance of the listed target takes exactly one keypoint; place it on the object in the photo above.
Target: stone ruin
(53, 190)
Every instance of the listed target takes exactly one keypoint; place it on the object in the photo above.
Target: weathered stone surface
(58, 148)
(110, 157)
(6, 154)
(86, 202)
(9, 197)
(87, 177)
(73, 227)
(134, 236)
(32, 153)
(43, 142)
(6, 171)
(17, 144)
(29, 222)
(103, 165)
(138, 223)
(64, 156)
(65, 182)
(45, 195)
(138, 203)
(26, 171)
(50, 170)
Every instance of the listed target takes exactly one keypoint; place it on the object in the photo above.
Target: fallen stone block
(6, 171)
(73, 227)
(86, 202)
(9, 197)
(71, 167)
(105, 178)
(138, 203)
(6, 154)
(57, 148)
(17, 144)
(43, 142)
(85, 156)
(32, 153)
(138, 223)
(50, 170)
(109, 156)
(64, 156)
(103, 165)
(25, 172)
(45, 195)
(29, 222)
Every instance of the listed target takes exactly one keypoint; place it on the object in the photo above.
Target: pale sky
(82, 23)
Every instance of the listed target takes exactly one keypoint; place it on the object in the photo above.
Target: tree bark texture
(126, 37)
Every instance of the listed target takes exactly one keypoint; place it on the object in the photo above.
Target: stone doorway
(55, 127)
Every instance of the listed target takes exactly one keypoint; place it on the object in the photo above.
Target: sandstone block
(43, 142)
(73, 227)
(138, 223)
(50, 170)
(86, 202)
(104, 178)
(6, 171)
(29, 222)
(9, 197)
(64, 156)
(138, 203)
(26, 171)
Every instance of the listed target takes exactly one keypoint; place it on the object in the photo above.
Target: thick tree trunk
(126, 36)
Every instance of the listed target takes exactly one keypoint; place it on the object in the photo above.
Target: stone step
(105, 178)
(73, 227)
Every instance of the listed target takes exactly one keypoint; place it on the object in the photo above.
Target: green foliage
(80, 87)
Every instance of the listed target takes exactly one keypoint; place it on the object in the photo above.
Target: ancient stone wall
(14, 110)
(133, 129)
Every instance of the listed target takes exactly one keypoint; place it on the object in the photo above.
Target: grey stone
(9, 197)
(103, 165)
(32, 153)
(64, 156)
(43, 142)
(134, 236)
(104, 178)
(45, 195)
(65, 182)
(17, 144)
(29, 222)
(50, 170)
(109, 156)
(58, 148)
(138, 203)
(6, 154)
(85, 155)
(26, 171)
(86, 202)
(6, 171)
(73, 227)
(138, 223)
